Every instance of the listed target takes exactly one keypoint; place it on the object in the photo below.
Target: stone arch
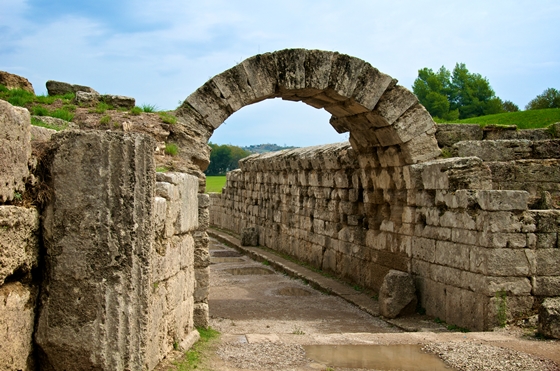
(379, 114)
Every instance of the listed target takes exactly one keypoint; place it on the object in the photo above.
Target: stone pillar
(201, 263)
(98, 231)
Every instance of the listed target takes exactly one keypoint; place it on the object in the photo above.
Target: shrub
(171, 149)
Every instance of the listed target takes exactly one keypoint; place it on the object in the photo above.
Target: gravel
(472, 356)
(263, 356)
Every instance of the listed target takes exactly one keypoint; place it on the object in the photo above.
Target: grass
(149, 108)
(194, 356)
(101, 108)
(105, 120)
(167, 118)
(531, 119)
(135, 111)
(171, 149)
(215, 183)
(37, 122)
(35, 103)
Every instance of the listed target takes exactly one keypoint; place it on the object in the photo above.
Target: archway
(369, 104)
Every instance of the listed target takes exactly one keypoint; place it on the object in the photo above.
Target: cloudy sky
(161, 51)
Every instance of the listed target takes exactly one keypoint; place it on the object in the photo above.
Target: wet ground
(270, 321)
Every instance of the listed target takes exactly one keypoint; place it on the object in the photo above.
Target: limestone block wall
(19, 243)
(477, 254)
(118, 281)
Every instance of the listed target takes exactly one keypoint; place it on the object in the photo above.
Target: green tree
(509, 106)
(550, 98)
(224, 158)
(458, 94)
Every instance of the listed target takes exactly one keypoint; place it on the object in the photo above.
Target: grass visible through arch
(215, 183)
(531, 119)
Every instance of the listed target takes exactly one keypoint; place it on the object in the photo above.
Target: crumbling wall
(118, 281)
(479, 255)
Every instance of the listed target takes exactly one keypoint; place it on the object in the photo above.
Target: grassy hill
(531, 119)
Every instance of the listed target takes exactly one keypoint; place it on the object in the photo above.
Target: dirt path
(270, 321)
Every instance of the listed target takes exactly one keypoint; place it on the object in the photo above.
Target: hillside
(531, 119)
(264, 148)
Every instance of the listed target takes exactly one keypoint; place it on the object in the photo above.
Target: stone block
(290, 67)
(250, 237)
(41, 134)
(235, 88)
(371, 86)
(495, 150)
(15, 150)
(61, 88)
(343, 74)
(502, 200)
(499, 262)
(98, 233)
(318, 65)
(181, 192)
(413, 123)
(119, 101)
(449, 134)
(19, 242)
(17, 320)
(261, 74)
(207, 102)
(394, 102)
(546, 285)
(87, 98)
(452, 254)
(12, 81)
(397, 295)
(201, 315)
(549, 318)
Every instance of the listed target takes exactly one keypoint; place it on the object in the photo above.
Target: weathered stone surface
(12, 81)
(397, 294)
(98, 234)
(17, 320)
(61, 88)
(250, 237)
(449, 134)
(494, 150)
(41, 134)
(19, 242)
(182, 210)
(119, 101)
(549, 318)
(15, 150)
(87, 98)
(56, 123)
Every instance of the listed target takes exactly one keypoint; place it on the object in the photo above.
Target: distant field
(531, 119)
(215, 183)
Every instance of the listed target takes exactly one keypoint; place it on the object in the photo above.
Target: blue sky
(161, 51)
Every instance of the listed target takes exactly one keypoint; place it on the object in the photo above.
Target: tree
(458, 94)
(224, 158)
(550, 98)
(509, 106)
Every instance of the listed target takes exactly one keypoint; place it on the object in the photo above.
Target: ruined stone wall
(477, 254)
(119, 276)
(19, 242)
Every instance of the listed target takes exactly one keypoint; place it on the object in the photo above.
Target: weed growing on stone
(149, 108)
(161, 169)
(105, 120)
(100, 108)
(266, 262)
(167, 118)
(17, 196)
(37, 122)
(194, 356)
(501, 309)
(171, 149)
(298, 331)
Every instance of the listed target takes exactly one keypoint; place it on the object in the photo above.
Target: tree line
(460, 94)
(224, 158)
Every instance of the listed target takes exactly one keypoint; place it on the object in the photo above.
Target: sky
(159, 52)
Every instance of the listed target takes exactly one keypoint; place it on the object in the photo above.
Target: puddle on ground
(248, 271)
(225, 254)
(214, 260)
(293, 291)
(407, 357)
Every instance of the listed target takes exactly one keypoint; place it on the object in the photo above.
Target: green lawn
(530, 119)
(215, 183)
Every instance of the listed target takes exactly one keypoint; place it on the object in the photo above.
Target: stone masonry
(119, 278)
(468, 246)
